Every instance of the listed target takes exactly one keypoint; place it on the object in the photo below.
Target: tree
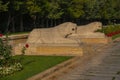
(92, 9)
(33, 9)
(75, 8)
(20, 11)
(12, 13)
(110, 10)
(3, 7)
(53, 10)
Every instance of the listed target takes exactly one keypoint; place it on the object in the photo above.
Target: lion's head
(66, 29)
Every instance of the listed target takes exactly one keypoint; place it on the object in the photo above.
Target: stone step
(116, 55)
(94, 74)
(106, 69)
(84, 77)
(110, 64)
(113, 58)
(100, 69)
(97, 78)
(101, 72)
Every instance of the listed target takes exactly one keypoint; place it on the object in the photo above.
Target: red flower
(109, 34)
(26, 45)
(112, 33)
(1, 35)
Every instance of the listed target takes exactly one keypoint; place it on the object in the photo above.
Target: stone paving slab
(104, 66)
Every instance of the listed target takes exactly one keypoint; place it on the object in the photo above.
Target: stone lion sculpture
(88, 31)
(57, 34)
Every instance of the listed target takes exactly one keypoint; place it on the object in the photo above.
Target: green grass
(34, 65)
(115, 36)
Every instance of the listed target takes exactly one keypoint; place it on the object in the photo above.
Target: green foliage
(92, 9)
(51, 9)
(3, 7)
(17, 5)
(5, 52)
(54, 12)
(8, 65)
(75, 8)
(15, 10)
(111, 28)
(115, 36)
(32, 7)
(10, 70)
(54, 9)
(107, 9)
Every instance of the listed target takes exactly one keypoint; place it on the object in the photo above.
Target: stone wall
(16, 39)
(49, 50)
(97, 40)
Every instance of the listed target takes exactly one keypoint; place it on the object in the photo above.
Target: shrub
(110, 30)
(10, 69)
(8, 65)
(5, 53)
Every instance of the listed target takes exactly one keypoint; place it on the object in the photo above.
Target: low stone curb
(14, 37)
(52, 72)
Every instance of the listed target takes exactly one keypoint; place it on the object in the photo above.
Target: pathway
(104, 65)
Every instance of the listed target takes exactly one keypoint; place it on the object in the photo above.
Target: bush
(10, 69)
(8, 65)
(110, 30)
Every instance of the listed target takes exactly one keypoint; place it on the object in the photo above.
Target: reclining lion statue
(57, 34)
(65, 33)
(89, 30)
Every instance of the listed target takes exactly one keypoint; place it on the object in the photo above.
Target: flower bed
(110, 30)
(112, 33)
(10, 69)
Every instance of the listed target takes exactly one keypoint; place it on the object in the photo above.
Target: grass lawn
(35, 64)
(115, 36)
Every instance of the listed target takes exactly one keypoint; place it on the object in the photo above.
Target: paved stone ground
(101, 65)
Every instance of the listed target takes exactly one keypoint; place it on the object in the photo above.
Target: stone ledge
(50, 72)
(49, 50)
(14, 37)
(96, 40)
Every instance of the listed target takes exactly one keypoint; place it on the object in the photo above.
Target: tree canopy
(15, 14)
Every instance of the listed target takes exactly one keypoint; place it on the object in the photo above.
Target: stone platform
(16, 39)
(96, 40)
(44, 49)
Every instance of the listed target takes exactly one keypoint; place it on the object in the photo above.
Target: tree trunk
(47, 23)
(8, 23)
(13, 24)
(55, 22)
(42, 23)
(51, 23)
(21, 23)
(34, 22)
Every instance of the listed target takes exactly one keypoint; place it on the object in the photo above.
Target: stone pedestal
(50, 50)
(96, 40)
